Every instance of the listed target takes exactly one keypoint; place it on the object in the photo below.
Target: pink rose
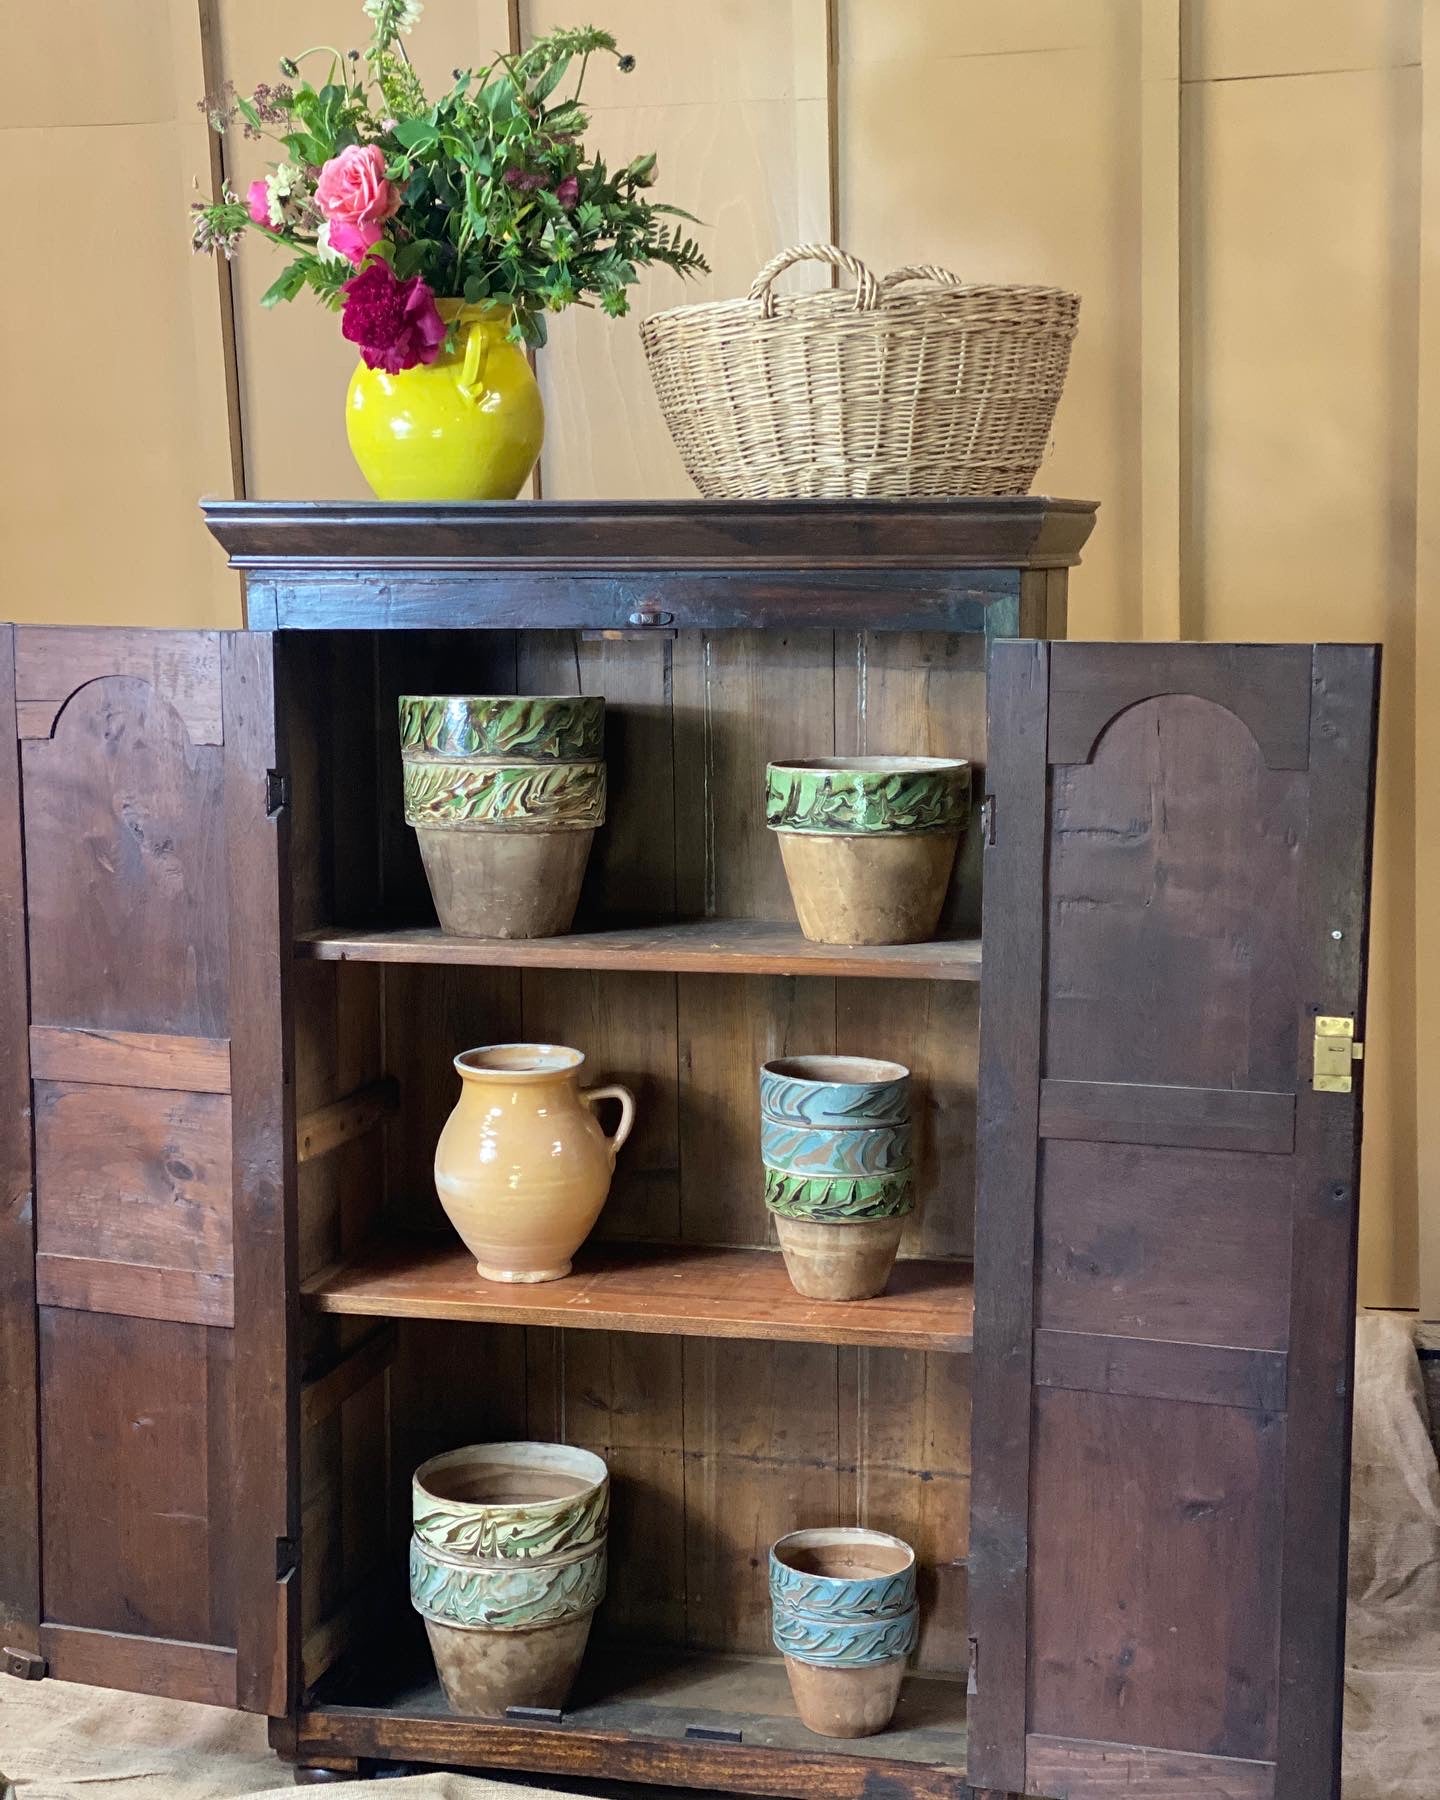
(352, 189)
(257, 202)
(352, 241)
(395, 323)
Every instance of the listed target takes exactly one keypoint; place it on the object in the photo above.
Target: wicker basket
(914, 385)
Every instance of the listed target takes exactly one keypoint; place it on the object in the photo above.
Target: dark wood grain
(143, 1059)
(19, 1376)
(141, 1665)
(138, 1290)
(266, 1488)
(1263, 685)
(134, 1439)
(702, 946)
(1333, 942)
(1206, 1259)
(1210, 1374)
(346, 1120)
(1010, 997)
(601, 535)
(1136, 1505)
(54, 662)
(691, 1289)
(132, 1174)
(1127, 1112)
(124, 845)
(628, 1720)
(1072, 1770)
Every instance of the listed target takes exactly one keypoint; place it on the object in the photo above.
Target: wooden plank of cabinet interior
(343, 1121)
(639, 1711)
(701, 946)
(692, 1289)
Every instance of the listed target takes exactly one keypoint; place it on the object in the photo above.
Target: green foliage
(498, 200)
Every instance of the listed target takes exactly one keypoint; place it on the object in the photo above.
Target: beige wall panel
(1018, 167)
(733, 99)
(106, 446)
(1226, 39)
(294, 364)
(1302, 209)
(100, 63)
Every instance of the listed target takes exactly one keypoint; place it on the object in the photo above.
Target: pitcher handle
(627, 1113)
(477, 354)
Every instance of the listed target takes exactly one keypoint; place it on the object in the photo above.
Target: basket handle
(867, 288)
(920, 272)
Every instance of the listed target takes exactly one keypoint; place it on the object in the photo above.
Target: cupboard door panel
(162, 1429)
(1177, 891)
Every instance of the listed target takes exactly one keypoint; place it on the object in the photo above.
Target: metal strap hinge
(277, 792)
(987, 820)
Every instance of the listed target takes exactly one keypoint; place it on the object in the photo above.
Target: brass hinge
(24, 1665)
(1335, 1051)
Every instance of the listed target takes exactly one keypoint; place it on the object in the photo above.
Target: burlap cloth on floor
(64, 1743)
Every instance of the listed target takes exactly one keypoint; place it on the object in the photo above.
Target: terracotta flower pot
(505, 793)
(522, 1167)
(507, 1566)
(836, 1145)
(868, 843)
(844, 1616)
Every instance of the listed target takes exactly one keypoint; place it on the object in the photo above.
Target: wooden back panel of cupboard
(1169, 1150)
(144, 1436)
(716, 1447)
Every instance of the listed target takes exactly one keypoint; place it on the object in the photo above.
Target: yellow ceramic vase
(522, 1167)
(466, 427)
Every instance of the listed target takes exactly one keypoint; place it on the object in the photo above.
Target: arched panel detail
(53, 664)
(1265, 686)
(125, 865)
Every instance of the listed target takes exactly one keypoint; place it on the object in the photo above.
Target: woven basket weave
(915, 385)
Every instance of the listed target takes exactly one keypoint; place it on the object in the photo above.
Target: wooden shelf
(701, 947)
(629, 1719)
(689, 1289)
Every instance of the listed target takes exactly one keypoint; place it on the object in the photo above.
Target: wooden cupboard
(232, 1320)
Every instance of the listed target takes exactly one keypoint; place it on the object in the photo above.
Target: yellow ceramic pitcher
(522, 1167)
(466, 427)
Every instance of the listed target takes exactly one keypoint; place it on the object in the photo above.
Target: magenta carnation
(395, 323)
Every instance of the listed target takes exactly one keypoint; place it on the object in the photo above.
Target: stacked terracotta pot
(505, 792)
(507, 1567)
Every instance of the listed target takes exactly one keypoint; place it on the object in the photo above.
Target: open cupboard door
(145, 1139)
(1176, 905)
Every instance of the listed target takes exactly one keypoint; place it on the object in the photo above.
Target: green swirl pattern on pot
(511, 1597)
(555, 796)
(861, 795)
(543, 728)
(497, 1502)
(839, 1200)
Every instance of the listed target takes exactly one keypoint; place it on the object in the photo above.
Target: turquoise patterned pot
(507, 1567)
(834, 1091)
(844, 1616)
(835, 1142)
(868, 843)
(505, 793)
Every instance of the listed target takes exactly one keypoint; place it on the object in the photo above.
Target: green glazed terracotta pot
(505, 793)
(507, 1567)
(868, 842)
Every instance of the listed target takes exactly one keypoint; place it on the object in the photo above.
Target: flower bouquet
(443, 232)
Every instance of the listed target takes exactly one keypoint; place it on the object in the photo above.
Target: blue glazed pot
(836, 1145)
(844, 1616)
(834, 1092)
